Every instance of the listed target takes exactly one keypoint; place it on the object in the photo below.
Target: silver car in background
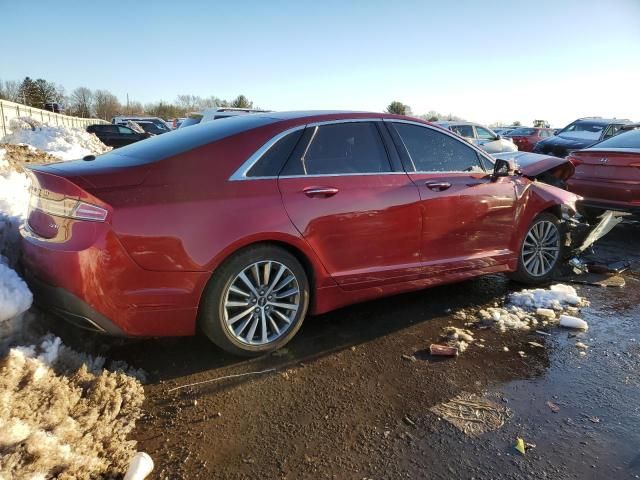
(480, 136)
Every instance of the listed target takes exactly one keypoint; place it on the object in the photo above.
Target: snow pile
(14, 199)
(557, 297)
(64, 422)
(527, 309)
(15, 297)
(63, 142)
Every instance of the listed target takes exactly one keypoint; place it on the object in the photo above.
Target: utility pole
(128, 112)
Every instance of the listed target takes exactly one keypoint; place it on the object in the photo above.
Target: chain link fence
(10, 110)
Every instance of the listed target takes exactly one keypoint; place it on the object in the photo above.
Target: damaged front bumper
(582, 234)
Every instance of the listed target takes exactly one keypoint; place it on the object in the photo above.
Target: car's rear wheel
(541, 250)
(256, 301)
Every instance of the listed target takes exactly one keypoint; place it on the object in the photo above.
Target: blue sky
(487, 61)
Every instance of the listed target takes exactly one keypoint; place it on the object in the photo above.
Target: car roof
(328, 115)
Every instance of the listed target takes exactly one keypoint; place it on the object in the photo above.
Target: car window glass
(630, 139)
(463, 130)
(433, 151)
(583, 129)
(270, 164)
(612, 130)
(525, 132)
(484, 134)
(341, 148)
(125, 130)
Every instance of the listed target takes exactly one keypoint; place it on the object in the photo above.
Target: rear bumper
(97, 286)
(70, 308)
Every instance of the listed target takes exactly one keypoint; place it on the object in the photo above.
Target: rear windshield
(522, 131)
(630, 139)
(178, 141)
(192, 120)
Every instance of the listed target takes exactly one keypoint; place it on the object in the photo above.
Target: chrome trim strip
(241, 173)
(446, 131)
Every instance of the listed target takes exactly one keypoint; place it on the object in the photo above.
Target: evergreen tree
(398, 108)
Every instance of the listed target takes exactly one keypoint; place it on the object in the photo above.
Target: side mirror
(504, 168)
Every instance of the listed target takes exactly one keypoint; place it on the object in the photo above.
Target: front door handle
(437, 186)
(320, 192)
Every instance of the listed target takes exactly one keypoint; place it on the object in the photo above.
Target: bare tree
(188, 102)
(11, 90)
(82, 102)
(106, 104)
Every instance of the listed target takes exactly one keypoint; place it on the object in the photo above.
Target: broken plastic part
(573, 322)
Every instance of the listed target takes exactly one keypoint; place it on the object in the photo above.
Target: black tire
(522, 274)
(212, 310)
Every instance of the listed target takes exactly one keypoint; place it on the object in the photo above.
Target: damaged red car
(240, 228)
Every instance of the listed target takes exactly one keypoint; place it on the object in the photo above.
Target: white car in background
(481, 136)
(209, 114)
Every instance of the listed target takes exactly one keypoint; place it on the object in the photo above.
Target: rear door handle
(320, 192)
(437, 186)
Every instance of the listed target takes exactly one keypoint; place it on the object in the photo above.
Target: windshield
(151, 127)
(522, 132)
(588, 130)
(630, 139)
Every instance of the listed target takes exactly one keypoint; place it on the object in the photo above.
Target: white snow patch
(63, 142)
(15, 296)
(557, 298)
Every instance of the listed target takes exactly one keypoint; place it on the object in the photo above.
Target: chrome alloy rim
(541, 248)
(261, 303)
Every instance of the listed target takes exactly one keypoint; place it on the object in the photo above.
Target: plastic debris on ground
(140, 468)
(472, 414)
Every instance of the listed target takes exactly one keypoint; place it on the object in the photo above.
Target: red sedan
(526, 138)
(245, 225)
(608, 173)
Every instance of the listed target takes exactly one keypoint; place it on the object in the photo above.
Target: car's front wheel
(541, 250)
(256, 301)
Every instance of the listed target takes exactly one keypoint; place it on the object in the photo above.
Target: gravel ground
(343, 403)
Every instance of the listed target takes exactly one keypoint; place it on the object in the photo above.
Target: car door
(467, 214)
(360, 216)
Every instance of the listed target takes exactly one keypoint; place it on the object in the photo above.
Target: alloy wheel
(541, 248)
(261, 303)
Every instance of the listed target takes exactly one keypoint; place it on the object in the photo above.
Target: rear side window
(433, 151)
(465, 131)
(630, 139)
(341, 148)
(270, 164)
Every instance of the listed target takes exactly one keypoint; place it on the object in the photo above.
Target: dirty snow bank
(63, 142)
(64, 417)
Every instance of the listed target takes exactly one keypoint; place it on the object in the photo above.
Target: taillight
(68, 207)
(574, 160)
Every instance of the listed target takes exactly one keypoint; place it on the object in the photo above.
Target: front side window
(485, 134)
(433, 151)
(465, 131)
(125, 130)
(612, 130)
(341, 148)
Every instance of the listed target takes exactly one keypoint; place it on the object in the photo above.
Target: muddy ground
(343, 403)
